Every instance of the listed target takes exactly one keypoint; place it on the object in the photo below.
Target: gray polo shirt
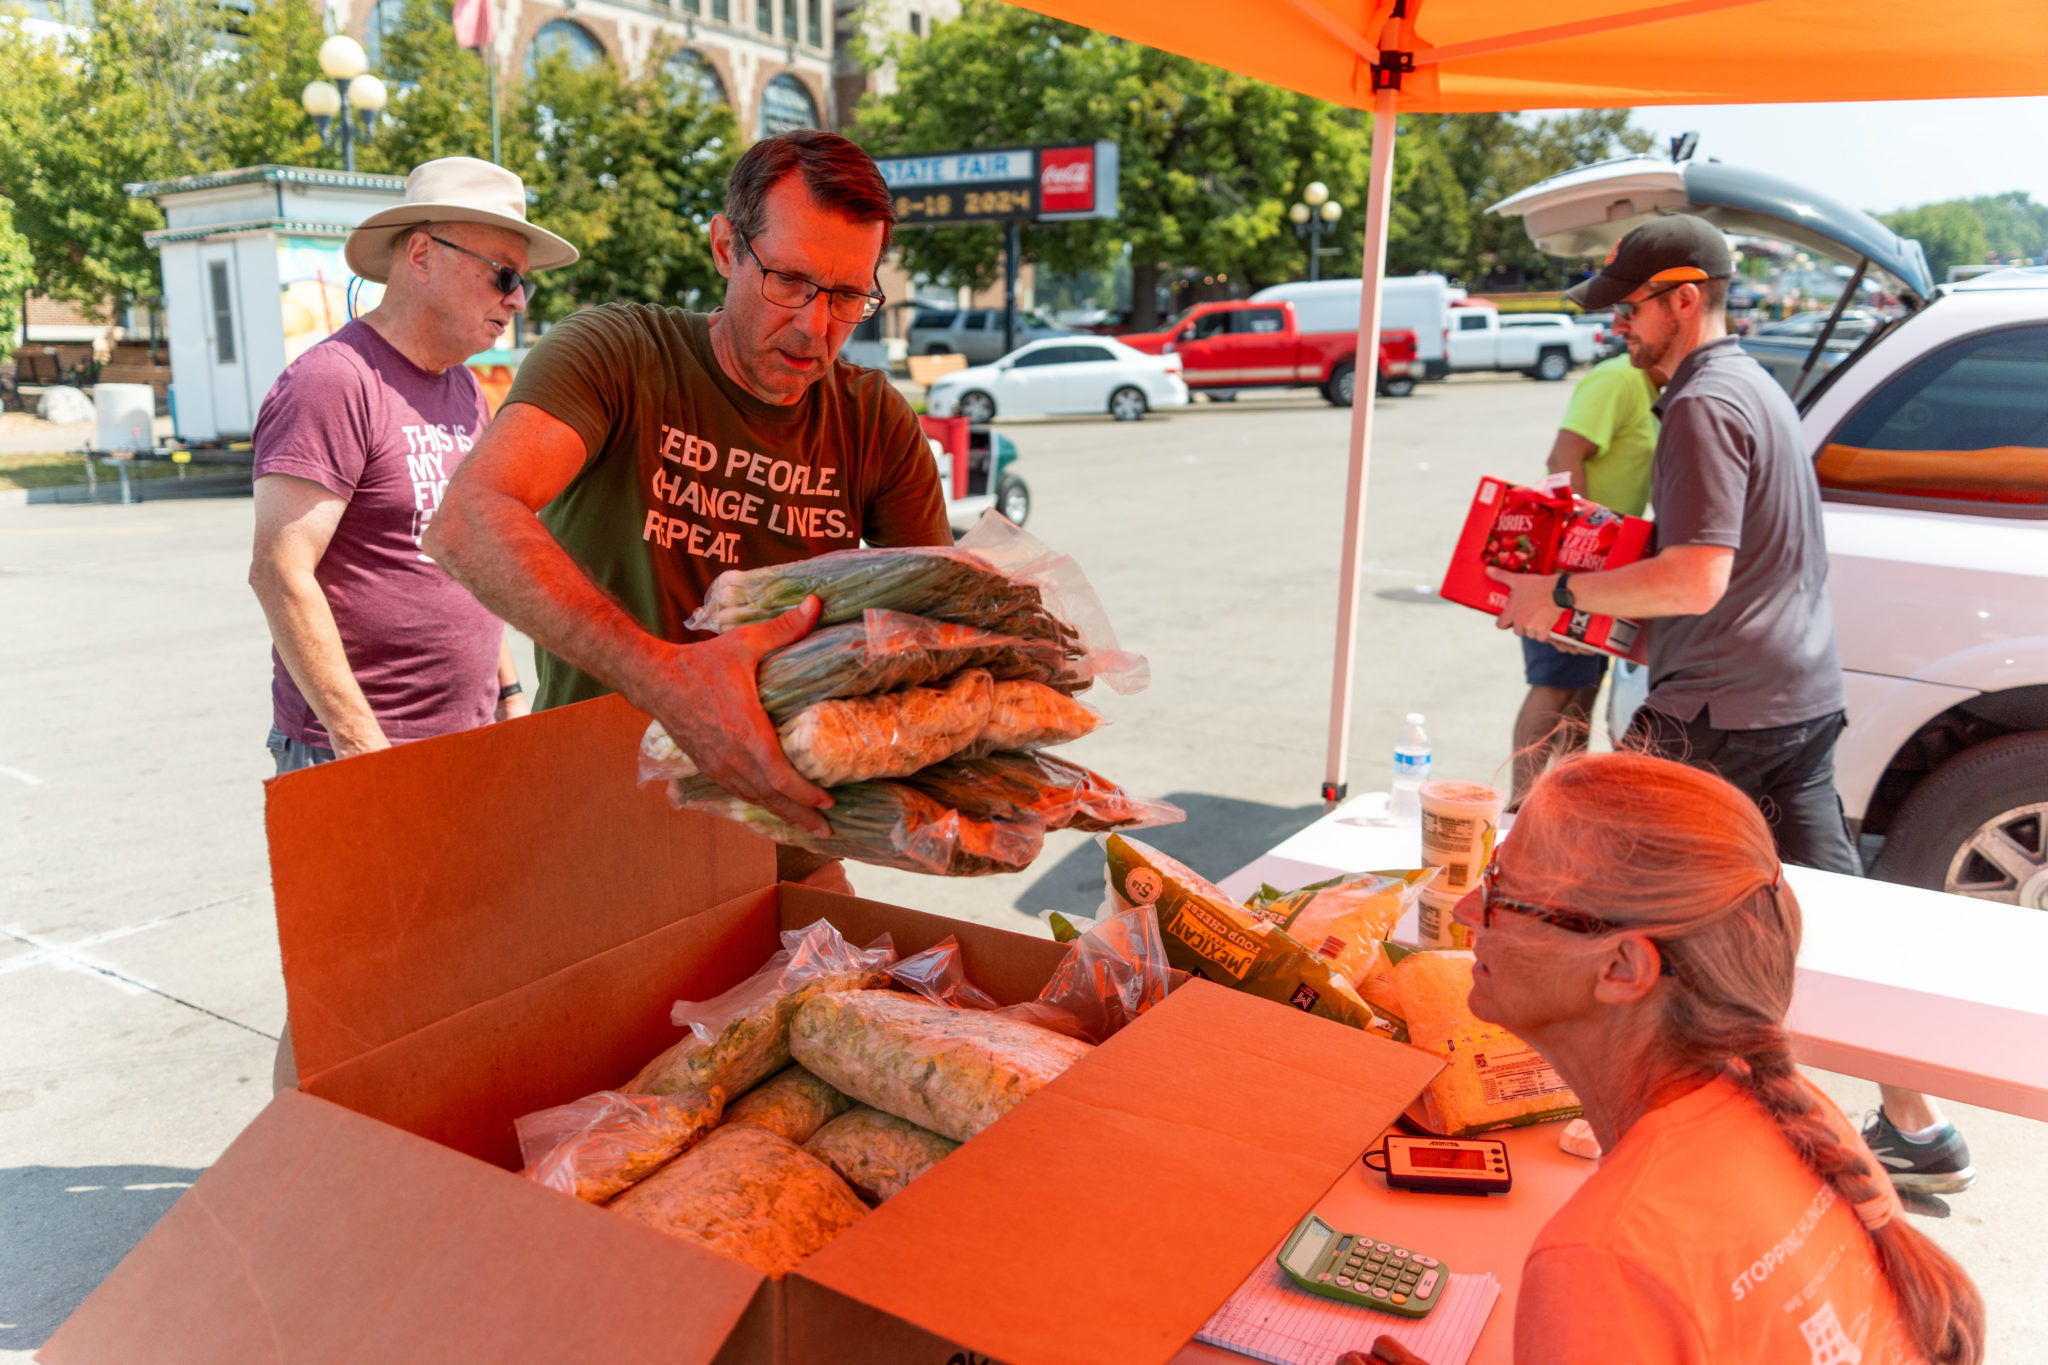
(1731, 470)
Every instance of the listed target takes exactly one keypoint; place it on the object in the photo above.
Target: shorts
(1545, 665)
(293, 754)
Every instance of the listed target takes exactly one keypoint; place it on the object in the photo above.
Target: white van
(1419, 303)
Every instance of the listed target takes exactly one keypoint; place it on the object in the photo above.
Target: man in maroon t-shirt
(374, 643)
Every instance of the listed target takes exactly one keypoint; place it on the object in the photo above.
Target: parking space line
(69, 957)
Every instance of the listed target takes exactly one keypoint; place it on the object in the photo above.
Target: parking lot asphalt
(140, 994)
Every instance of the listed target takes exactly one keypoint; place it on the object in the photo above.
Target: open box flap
(321, 1235)
(394, 910)
(1107, 1217)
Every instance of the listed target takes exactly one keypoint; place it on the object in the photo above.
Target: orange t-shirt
(1704, 1238)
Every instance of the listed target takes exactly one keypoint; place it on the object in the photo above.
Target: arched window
(785, 105)
(693, 71)
(563, 37)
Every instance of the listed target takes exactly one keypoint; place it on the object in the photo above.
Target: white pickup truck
(1540, 345)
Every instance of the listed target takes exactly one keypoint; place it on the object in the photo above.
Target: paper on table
(1272, 1318)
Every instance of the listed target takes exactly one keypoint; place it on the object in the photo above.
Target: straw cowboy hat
(454, 189)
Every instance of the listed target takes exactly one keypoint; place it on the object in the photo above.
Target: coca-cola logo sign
(1066, 180)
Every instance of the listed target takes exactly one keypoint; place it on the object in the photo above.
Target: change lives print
(702, 502)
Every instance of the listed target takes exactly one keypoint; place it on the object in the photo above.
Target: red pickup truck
(1248, 344)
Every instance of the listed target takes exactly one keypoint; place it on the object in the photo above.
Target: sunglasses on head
(507, 281)
(1571, 921)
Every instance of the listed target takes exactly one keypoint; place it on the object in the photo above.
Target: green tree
(17, 276)
(1951, 233)
(1495, 155)
(440, 95)
(155, 89)
(261, 120)
(1209, 160)
(136, 100)
(629, 169)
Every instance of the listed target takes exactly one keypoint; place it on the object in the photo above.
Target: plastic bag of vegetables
(856, 739)
(888, 824)
(1038, 787)
(739, 1038)
(997, 579)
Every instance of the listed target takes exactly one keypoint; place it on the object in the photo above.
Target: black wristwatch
(509, 691)
(1562, 595)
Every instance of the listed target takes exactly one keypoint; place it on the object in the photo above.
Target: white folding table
(1921, 989)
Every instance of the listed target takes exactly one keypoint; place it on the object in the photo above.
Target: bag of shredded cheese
(1491, 1079)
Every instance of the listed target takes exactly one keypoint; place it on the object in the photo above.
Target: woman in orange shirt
(1638, 932)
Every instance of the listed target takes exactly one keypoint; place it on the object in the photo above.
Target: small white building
(253, 276)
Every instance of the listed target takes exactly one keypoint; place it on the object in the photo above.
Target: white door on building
(227, 359)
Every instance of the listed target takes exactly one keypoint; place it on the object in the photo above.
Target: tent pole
(1365, 390)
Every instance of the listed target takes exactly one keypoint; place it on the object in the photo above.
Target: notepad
(1272, 1318)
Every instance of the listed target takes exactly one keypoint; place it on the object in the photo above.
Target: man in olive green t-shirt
(643, 451)
(1605, 443)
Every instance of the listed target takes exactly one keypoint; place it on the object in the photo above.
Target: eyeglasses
(507, 281)
(785, 290)
(1571, 921)
(1624, 311)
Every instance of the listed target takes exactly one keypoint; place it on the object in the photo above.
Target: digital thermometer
(1447, 1165)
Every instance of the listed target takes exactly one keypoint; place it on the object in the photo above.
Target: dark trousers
(1788, 770)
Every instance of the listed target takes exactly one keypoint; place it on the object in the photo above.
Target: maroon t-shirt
(356, 417)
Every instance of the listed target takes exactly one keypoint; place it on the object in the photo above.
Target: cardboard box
(483, 925)
(1466, 581)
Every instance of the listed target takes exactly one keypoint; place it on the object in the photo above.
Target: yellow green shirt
(1611, 408)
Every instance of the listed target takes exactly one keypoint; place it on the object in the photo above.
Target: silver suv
(976, 333)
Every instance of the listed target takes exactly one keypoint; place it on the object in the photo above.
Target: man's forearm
(496, 547)
(1652, 587)
(302, 627)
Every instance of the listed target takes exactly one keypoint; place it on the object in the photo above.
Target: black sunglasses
(1571, 921)
(1625, 311)
(506, 281)
(785, 290)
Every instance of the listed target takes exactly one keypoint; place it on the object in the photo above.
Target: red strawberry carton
(1545, 529)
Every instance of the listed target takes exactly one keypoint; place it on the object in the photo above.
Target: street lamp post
(1314, 209)
(343, 60)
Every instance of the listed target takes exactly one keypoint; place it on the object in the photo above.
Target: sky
(1878, 156)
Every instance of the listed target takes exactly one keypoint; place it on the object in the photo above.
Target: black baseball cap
(1677, 248)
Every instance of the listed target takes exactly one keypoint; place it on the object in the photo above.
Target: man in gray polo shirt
(1744, 677)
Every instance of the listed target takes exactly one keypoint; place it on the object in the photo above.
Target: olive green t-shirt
(688, 475)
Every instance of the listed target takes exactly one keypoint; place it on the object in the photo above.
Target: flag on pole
(473, 23)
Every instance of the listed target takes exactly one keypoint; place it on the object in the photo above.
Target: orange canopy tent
(1439, 56)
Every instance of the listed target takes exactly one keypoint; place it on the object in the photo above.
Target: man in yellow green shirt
(1604, 442)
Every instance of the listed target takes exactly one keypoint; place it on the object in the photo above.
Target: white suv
(1932, 451)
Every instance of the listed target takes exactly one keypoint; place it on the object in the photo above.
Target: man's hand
(1530, 611)
(367, 741)
(708, 699)
(1385, 1351)
(513, 707)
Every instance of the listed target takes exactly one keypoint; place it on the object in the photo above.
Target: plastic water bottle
(1411, 770)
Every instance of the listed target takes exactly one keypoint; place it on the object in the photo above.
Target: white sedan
(1062, 375)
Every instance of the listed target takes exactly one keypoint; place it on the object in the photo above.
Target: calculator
(1355, 1268)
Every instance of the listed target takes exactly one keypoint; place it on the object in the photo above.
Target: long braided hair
(1681, 854)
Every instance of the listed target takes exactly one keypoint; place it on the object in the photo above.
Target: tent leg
(1364, 395)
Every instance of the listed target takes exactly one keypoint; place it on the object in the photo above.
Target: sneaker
(1938, 1166)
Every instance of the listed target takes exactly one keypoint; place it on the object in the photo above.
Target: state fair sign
(1005, 184)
